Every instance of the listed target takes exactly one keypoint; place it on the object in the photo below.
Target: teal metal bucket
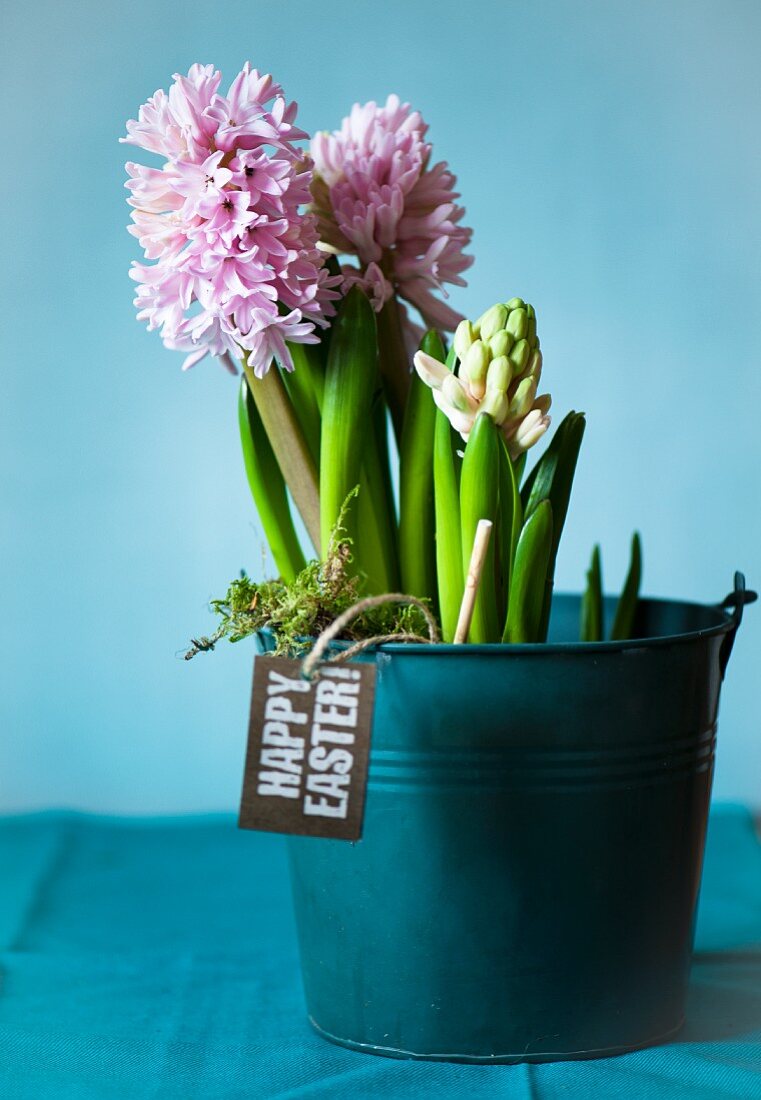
(526, 884)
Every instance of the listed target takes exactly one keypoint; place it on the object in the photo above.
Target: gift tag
(308, 749)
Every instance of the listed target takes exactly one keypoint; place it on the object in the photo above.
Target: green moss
(301, 610)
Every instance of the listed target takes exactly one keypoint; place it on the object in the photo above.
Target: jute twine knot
(314, 657)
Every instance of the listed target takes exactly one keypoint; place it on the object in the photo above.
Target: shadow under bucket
(526, 885)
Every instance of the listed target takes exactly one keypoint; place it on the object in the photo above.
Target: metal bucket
(526, 884)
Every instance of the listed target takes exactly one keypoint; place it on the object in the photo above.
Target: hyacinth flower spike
(235, 259)
(488, 393)
(500, 369)
(233, 265)
(380, 201)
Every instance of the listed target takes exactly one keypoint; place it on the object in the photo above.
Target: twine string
(315, 655)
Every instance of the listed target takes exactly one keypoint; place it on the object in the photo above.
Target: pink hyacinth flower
(377, 198)
(235, 268)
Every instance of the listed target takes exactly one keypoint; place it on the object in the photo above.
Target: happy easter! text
(307, 743)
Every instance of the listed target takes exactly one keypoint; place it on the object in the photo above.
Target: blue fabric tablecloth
(158, 959)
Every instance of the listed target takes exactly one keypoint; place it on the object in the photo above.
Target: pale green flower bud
(535, 365)
(501, 343)
(430, 370)
(464, 335)
(529, 431)
(517, 324)
(496, 404)
(531, 334)
(455, 395)
(519, 355)
(492, 321)
(499, 356)
(523, 398)
(500, 374)
(474, 367)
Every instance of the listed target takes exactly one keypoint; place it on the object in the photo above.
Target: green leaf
(446, 483)
(519, 467)
(525, 609)
(268, 488)
(479, 499)
(350, 382)
(552, 479)
(417, 519)
(592, 621)
(555, 469)
(626, 609)
(562, 482)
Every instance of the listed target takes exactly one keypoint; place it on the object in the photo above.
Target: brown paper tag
(308, 749)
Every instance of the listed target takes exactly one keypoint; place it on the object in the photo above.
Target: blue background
(608, 157)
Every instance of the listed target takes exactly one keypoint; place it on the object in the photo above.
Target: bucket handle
(738, 599)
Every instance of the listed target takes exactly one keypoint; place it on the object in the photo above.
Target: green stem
(301, 393)
(479, 499)
(510, 520)
(394, 362)
(417, 518)
(351, 380)
(309, 361)
(268, 488)
(376, 520)
(289, 446)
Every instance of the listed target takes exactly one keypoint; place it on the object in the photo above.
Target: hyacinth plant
(297, 266)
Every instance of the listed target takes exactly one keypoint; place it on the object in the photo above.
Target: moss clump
(301, 610)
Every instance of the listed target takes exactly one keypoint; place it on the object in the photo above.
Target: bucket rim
(728, 616)
(725, 624)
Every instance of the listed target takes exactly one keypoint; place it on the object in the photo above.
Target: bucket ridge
(542, 765)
